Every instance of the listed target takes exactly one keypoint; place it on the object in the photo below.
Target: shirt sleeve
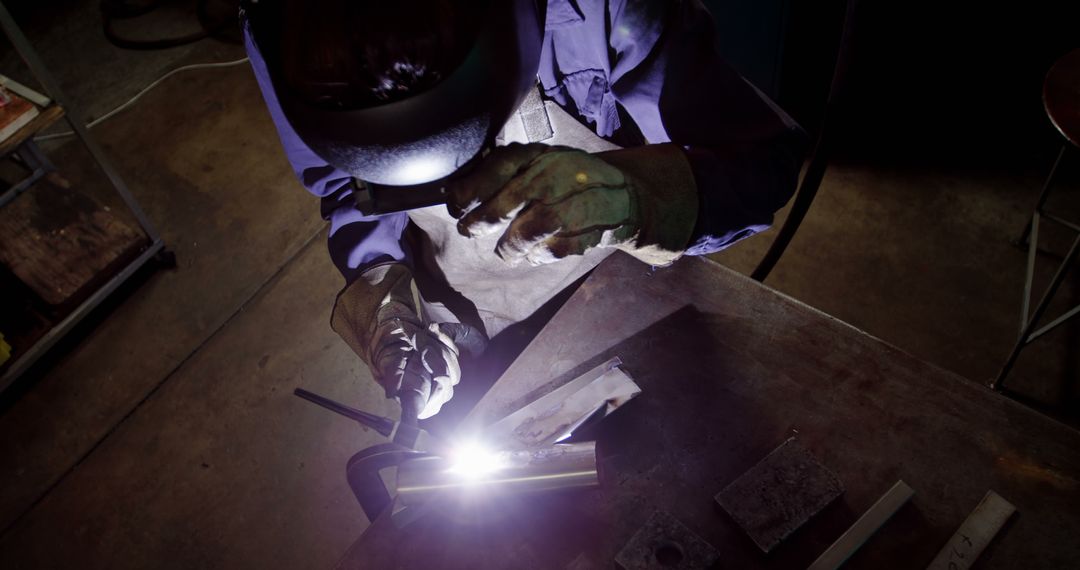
(744, 151)
(356, 241)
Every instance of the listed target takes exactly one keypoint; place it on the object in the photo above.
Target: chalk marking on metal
(975, 534)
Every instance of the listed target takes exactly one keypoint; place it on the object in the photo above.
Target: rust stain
(1027, 469)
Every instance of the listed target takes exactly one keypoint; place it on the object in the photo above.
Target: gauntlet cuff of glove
(379, 301)
(666, 198)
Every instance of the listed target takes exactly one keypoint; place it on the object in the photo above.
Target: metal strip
(975, 534)
(874, 517)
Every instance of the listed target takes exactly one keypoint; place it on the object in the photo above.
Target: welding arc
(385, 426)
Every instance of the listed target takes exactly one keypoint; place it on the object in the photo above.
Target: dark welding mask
(403, 148)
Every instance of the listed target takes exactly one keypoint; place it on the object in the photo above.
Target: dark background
(949, 81)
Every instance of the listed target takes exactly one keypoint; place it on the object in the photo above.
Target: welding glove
(549, 202)
(414, 361)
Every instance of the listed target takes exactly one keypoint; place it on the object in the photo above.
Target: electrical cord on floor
(138, 95)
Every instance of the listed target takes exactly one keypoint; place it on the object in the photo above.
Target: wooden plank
(59, 242)
(45, 118)
(864, 528)
(975, 534)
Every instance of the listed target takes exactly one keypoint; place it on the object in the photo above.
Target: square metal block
(665, 543)
(779, 494)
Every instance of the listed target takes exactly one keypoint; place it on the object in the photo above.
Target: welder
(406, 99)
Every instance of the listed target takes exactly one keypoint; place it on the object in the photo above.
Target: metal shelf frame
(156, 248)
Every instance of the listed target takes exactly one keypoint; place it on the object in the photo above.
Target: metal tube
(555, 468)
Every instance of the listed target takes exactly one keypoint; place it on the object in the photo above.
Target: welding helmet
(405, 103)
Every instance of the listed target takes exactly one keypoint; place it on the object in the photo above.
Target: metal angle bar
(874, 517)
(975, 534)
(46, 342)
(554, 416)
(37, 67)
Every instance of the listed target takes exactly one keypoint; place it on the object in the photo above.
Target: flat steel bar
(975, 534)
(50, 338)
(869, 523)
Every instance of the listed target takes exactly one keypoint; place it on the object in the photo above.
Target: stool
(1061, 99)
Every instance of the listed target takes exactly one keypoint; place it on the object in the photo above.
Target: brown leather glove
(549, 202)
(414, 361)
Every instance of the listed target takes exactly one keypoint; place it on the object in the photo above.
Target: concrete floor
(166, 434)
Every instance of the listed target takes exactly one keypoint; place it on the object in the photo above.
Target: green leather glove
(414, 361)
(549, 202)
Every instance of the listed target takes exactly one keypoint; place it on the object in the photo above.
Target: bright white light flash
(421, 169)
(473, 461)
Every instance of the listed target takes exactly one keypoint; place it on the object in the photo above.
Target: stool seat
(1061, 96)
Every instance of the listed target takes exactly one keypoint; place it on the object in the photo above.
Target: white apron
(503, 295)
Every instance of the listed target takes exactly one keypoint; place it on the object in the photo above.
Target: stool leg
(1029, 327)
(1043, 194)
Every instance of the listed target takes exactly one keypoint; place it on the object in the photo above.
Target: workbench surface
(729, 370)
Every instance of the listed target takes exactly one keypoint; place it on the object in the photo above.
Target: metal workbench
(729, 370)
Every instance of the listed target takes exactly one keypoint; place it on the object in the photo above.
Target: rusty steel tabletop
(730, 369)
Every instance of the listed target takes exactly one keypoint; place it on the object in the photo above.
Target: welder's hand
(548, 202)
(418, 364)
(414, 361)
